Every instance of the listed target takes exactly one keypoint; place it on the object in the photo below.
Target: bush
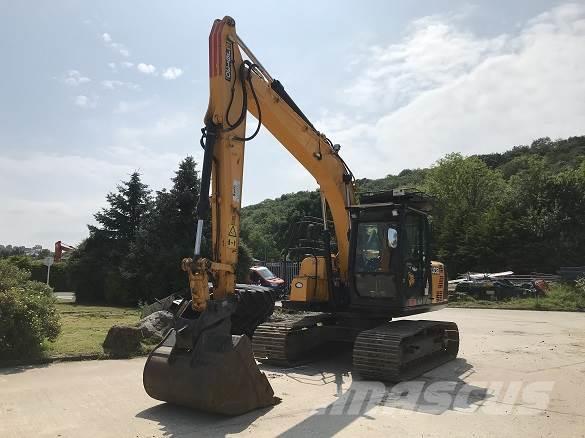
(87, 270)
(244, 263)
(566, 296)
(28, 314)
(38, 272)
(580, 284)
(115, 290)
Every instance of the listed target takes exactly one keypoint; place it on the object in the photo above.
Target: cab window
(372, 250)
(415, 250)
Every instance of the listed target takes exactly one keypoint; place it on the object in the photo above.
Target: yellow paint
(438, 281)
(311, 283)
(304, 143)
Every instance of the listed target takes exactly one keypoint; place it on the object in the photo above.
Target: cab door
(416, 260)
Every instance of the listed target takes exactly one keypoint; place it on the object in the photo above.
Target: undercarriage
(382, 350)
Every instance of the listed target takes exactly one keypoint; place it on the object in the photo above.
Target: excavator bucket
(199, 364)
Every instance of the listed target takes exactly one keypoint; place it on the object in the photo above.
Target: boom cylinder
(203, 203)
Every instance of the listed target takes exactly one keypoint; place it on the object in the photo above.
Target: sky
(92, 91)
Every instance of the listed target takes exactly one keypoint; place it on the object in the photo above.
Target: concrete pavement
(519, 373)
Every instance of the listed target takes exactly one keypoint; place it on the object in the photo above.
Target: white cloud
(44, 216)
(115, 66)
(147, 69)
(32, 215)
(172, 73)
(442, 90)
(125, 107)
(109, 42)
(74, 78)
(434, 53)
(85, 102)
(114, 84)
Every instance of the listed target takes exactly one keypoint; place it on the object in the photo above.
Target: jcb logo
(228, 61)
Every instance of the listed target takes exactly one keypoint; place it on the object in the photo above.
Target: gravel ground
(519, 373)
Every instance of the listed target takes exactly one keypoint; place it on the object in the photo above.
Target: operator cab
(390, 258)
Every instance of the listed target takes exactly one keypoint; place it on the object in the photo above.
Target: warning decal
(232, 237)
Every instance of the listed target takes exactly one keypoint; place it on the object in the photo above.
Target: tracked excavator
(381, 267)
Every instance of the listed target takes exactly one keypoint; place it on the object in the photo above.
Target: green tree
(9, 250)
(121, 219)
(265, 226)
(466, 192)
(167, 236)
(541, 224)
(244, 263)
(97, 265)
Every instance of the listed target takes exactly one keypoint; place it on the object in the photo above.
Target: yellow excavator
(374, 262)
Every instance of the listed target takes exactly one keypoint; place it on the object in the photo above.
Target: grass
(561, 297)
(84, 328)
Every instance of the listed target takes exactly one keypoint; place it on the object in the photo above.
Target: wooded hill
(523, 209)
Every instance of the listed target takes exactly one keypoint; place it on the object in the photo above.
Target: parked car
(263, 276)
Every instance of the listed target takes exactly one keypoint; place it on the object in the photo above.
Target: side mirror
(392, 238)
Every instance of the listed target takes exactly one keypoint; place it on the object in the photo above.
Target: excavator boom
(238, 86)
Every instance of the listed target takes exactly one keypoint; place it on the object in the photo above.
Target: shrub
(580, 284)
(28, 314)
(244, 262)
(38, 271)
(567, 296)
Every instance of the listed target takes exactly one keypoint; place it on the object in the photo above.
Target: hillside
(557, 155)
(264, 225)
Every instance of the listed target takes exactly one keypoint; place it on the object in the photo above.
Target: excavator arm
(239, 86)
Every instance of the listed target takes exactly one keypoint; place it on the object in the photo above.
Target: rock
(122, 341)
(125, 341)
(163, 304)
(156, 325)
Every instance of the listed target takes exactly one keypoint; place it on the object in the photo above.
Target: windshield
(372, 250)
(265, 273)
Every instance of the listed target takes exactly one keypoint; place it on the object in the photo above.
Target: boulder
(122, 341)
(125, 341)
(156, 325)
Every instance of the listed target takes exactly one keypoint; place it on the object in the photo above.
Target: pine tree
(128, 206)
(168, 236)
(97, 266)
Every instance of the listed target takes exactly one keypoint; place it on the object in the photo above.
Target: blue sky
(91, 91)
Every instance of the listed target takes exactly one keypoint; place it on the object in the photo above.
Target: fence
(285, 270)
(527, 278)
(572, 273)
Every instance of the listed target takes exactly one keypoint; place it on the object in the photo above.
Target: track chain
(278, 342)
(381, 353)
